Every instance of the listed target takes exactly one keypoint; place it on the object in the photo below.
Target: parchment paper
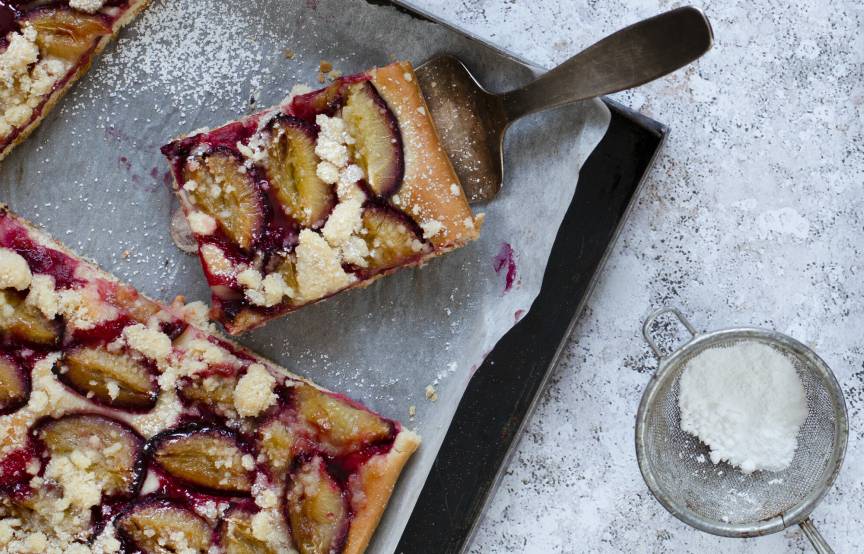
(93, 176)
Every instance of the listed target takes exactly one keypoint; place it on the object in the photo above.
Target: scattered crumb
(288, 53)
(325, 66)
(321, 78)
(412, 410)
(431, 393)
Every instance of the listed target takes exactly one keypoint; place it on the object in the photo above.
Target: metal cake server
(472, 121)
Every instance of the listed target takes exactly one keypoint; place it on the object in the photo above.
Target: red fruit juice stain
(13, 468)
(505, 259)
(518, 315)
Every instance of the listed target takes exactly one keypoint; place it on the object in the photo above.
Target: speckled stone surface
(753, 215)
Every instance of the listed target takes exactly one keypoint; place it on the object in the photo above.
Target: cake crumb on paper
(412, 410)
(431, 393)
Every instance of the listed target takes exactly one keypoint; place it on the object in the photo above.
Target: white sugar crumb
(88, 6)
(454, 189)
(328, 173)
(319, 267)
(264, 291)
(14, 271)
(215, 260)
(431, 228)
(250, 278)
(151, 342)
(254, 391)
(201, 223)
(746, 402)
(344, 221)
(330, 146)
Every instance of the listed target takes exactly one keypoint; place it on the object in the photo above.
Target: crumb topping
(431, 228)
(84, 308)
(319, 267)
(201, 223)
(14, 271)
(151, 342)
(332, 140)
(215, 260)
(24, 79)
(43, 296)
(345, 220)
(88, 6)
(254, 391)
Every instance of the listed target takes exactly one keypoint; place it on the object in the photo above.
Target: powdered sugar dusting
(195, 52)
(746, 402)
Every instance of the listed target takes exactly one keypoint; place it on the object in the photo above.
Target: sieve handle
(816, 539)
(646, 327)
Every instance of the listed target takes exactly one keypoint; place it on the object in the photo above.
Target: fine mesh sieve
(720, 499)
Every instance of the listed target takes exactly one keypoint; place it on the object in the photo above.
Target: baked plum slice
(66, 34)
(339, 425)
(236, 535)
(210, 458)
(114, 449)
(156, 525)
(211, 392)
(324, 101)
(226, 192)
(14, 385)
(292, 169)
(317, 509)
(114, 379)
(392, 238)
(378, 148)
(25, 323)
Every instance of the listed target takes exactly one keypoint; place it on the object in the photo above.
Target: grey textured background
(753, 215)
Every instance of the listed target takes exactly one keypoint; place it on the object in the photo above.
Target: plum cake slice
(328, 191)
(129, 426)
(44, 48)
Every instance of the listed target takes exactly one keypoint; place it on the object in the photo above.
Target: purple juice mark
(518, 315)
(125, 163)
(8, 19)
(506, 259)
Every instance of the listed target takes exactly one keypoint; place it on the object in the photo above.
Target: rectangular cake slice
(44, 48)
(326, 192)
(129, 426)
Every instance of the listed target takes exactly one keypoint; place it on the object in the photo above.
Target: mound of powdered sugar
(746, 402)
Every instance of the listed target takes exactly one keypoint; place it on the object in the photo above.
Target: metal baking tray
(503, 393)
(93, 177)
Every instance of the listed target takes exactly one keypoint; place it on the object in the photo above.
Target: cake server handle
(649, 338)
(631, 57)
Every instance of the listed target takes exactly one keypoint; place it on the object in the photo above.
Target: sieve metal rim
(666, 370)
